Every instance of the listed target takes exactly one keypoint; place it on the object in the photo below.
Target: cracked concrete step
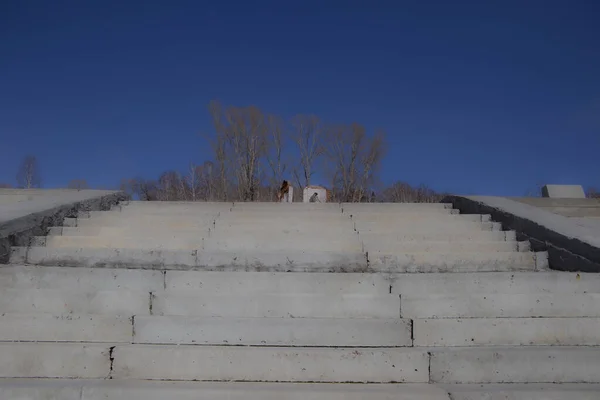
(56, 389)
(137, 214)
(375, 247)
(150, 231)
(518, 364)
(334, 332)
(456, 262)
(281, 261)
(294, 305)
(106, 302)
(501, 305)
(270, 364)
(494, 283)
(55, 360)
(166, 223)
(394, 206)
(526, 391)
(80, 279)
(65, 328)
(252, 283)
(507, 332)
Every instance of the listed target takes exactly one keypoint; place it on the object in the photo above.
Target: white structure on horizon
(314, 194)
(289, 196)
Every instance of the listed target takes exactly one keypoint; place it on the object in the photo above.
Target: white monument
(314, 194)
(289, 196)
(563, 191)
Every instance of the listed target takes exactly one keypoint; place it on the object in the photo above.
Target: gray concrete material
(294, 305)
(236, 242)
(271, 364)
(156, 231)
(570, 247)
(283, 261)
(418, 218)
(425, 227)
(54, 360)
(166, 223)
(108, 258)
(434, 236)
(126, 242)
(106, 302)
(501, 305)
(523, 391)
(253, 283)
(375, 247)
(335, 332)
(563, 191)
(38, 389)
(494, 283)
(542, 202)
(153, 390)
(65, 328)
(544, 364)
(575, 211)
(507, 332)
(393, 206)
(20, 221)
(79, 279)
(452, 262)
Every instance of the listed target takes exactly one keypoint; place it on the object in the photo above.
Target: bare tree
(306, 133)
(244, 131)
(28, 175)
(401, 192)
(355, 159)
(5, 186)
(592, 193)
(78, 184)
(275, 146)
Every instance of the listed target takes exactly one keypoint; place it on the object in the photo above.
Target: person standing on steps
(283, 191)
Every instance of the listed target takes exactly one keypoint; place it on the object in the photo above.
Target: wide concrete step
(507, 331)
(79, 279)
(406, 235)
(456, 262)
(271, 364)
(494, 283)
(394, 206)
(279, 305)
(136, 214)
(57, 389)
(334, 332)
(65, 328)
(281, 261)
(516, 364)
(166, 223)
(465, 305)
(524, 391)
(425, 226)
(375, 247)
(403, 218)
(233, 242)
(55, 360)
(107, 302)
(149, 231)
(454, 228)
(253, 283)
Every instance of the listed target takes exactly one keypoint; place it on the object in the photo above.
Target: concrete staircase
(293, 301)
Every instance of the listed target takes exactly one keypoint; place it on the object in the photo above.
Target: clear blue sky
(491, 98)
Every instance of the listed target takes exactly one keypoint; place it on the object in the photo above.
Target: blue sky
(476, 97)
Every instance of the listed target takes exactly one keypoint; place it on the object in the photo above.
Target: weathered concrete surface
(501, 305)
(356, 332)
(507, 332)
(79, 279)
(494, 283)
(22, 220)
(563, 191)
(526, 391)
(570, 247)
(296, 305)
(65, 328)
(454, 262)
(394, 246)
(54, 360)
(516, 365)
(281, 261)
(111, 302)
(280, 364)
(253, 283)
(152, 390)
(407, 235)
